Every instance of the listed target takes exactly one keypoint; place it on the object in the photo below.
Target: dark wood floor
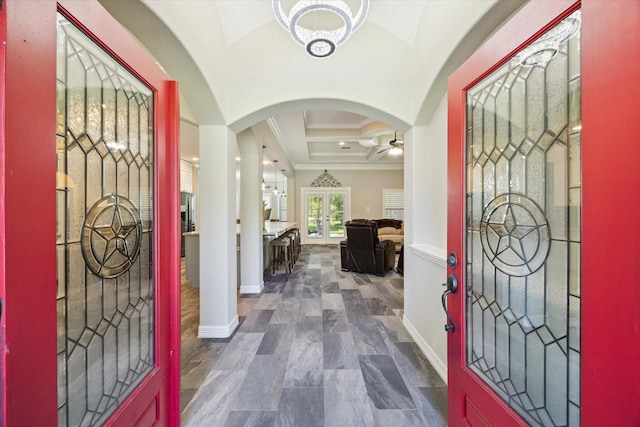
(324, 348)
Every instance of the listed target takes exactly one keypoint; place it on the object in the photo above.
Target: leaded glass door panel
(517, 337)
(90, 326)
(114, 146)
(106, 285)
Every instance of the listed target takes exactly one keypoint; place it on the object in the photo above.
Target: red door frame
(2, 211)
(27, 178)
(610, 376)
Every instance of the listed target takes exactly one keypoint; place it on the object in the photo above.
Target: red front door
(90, 268)
(543, 207)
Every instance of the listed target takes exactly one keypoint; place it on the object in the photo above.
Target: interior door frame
(325, 191)
(27, 176)
(609, 177)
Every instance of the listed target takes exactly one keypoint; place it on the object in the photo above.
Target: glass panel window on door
(523, 228)
(105, 202)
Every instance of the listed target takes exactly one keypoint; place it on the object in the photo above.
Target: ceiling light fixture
(396, 151)
(264, 162)
(116, 145)
(284, 194)
(320, 43)
(541, 51)
(395, 148)
(275, 177)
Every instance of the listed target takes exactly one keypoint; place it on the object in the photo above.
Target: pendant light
(284, 194)
(265, 186)
(275, 176)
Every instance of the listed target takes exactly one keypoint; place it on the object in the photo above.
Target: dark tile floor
(324, 348)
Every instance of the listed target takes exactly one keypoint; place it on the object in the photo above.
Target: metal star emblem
(111, 236)
(515, 234)
(115, 236)
(511, 235)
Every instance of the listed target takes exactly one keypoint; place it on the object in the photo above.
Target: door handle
(452, 287)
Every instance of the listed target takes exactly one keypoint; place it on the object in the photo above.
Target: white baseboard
(251, 289)
(218, 331)
(426, 349)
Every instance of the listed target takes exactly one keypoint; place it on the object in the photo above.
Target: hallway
(325, 348)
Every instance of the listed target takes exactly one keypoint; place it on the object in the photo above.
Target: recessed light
(237, 159)
(195, 159)
(341, 142)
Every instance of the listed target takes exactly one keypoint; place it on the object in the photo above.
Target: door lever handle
(452, 287)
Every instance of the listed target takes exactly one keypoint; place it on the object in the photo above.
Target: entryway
(324, 348)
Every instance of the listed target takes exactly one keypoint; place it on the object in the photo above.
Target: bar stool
(298, 240)
(295, 245)
(298, 243)
(280, 255)
(292, 246)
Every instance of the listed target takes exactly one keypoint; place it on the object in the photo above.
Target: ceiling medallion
(320, 43)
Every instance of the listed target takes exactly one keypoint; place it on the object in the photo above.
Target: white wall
(426, 235)
(366, 189)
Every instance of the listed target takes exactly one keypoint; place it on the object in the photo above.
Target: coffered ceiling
(313, 139)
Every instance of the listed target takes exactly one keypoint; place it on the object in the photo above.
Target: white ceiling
(239, 18)
(238, 67)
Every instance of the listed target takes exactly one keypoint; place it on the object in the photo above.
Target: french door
(324, 212)
(542, 189)
(91, 267)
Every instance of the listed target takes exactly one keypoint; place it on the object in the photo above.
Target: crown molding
(348, 166)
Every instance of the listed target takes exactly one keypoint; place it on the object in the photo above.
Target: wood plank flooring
(324, 348)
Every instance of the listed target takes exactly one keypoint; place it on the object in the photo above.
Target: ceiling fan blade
(383, 150)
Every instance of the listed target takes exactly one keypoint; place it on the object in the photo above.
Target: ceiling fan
(396, 146)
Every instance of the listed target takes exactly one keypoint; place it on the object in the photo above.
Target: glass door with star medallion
(97, 152)
(538, 129)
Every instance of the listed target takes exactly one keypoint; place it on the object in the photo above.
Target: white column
(251, 261)
(218, 276)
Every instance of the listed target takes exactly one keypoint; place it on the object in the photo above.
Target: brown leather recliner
(363, 252)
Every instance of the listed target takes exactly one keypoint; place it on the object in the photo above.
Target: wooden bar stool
(295, 245)
(280, 255)
(295, 232)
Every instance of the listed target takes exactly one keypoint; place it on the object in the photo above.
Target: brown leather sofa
(391, 229)
(363, 252)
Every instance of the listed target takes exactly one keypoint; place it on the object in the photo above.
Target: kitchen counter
(272, 229)
(276, 228)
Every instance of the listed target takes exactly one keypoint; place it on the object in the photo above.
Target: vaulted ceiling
(238, 67)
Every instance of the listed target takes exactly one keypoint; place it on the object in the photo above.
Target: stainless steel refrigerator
(187, 215)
